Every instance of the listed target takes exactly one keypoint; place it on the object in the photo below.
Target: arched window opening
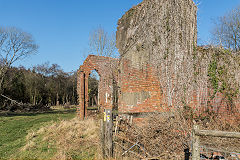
(93, 94)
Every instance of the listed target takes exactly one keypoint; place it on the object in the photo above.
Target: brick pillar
(86, 94)
(78, 91)
(81, 96)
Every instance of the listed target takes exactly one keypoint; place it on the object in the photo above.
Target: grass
(68, 139)
(14, 127)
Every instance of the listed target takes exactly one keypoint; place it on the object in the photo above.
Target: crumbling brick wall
(150, 35)
(139, 90)
(161, 66)
(106, 67)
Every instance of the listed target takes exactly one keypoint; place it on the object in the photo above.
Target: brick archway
(106, 68)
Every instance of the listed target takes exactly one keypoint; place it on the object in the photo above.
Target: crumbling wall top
(158, 22)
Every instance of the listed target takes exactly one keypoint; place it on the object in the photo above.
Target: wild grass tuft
(68, 139)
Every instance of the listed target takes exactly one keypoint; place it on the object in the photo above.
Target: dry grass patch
(69, 139)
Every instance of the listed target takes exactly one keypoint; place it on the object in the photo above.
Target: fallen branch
(130, 148)
(12, 101)
(126, 139)
(136, 154)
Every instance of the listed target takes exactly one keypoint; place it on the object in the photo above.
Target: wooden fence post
(102, 130)
(195, 144)
(109, 132)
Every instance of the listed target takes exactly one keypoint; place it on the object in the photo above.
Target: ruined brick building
(160, 66)
(105, 67)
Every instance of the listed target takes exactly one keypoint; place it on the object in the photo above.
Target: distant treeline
(42, 84)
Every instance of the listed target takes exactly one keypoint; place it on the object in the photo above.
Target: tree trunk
(57, 102)
(96, 101)
(34, 97)
(3, 72)
(63, 100)
(1, 83)
(92, 101)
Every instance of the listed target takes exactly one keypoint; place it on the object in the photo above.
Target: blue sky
(61, 27)
(208, 10)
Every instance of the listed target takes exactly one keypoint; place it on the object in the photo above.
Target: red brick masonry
(106, 68)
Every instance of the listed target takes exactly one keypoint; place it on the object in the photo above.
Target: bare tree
(227, 30)
(102, 44)
(15, 45)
